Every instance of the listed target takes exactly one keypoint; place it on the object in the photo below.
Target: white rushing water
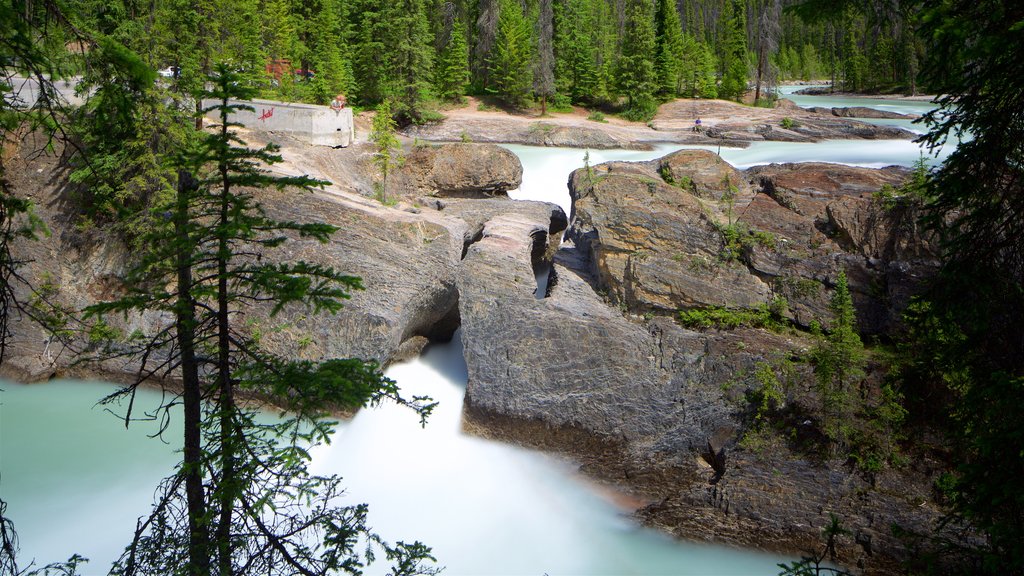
(76, 480)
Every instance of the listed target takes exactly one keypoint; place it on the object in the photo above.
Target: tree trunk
(760, 72)
(192, 467)
(226, 397)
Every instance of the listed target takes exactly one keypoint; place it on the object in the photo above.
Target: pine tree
(734, 77)
(412, 56)
(452, 76)
(371, 62)
(243, 487)
(576, 72)
(839, 364)
(637, 78)
(510, 76)
(697, 71)
(671, 49)
(389, 149)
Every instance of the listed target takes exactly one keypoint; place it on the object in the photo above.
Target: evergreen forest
(616, 54)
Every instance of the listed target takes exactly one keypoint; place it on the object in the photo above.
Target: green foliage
(510, 59)
(596, 116)
(788, 123)
(123, 131)
(839, 361)
(412, 59)
(452, 76)
(734, 78)
(584, 43)
(975, 206)
(737, 238)
(769, 316)
(636, 76)
(671, 49)
(912, 192)
(770, 395)
(388, 155)
(244, 486)
(698, 72)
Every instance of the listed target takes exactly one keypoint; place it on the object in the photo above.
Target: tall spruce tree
(412, 57)
(509, 63)
(452, 75)
(672, 56)
(734, 62)
(576, 69)
(371, 63)
(243, 501)
(388, 149)
(973, 317)
(839, 364)
(637, 78)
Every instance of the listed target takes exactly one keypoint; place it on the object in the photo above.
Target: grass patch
(769, 316)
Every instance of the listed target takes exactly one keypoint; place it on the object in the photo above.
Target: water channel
(76, 479)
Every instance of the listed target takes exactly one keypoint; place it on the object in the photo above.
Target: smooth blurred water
(76, 480)
(903, 106)
(546, 169)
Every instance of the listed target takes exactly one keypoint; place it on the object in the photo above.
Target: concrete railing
(316, 124)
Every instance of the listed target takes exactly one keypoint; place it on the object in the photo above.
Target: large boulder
(677, 233)
(865, 112)
(460, 170)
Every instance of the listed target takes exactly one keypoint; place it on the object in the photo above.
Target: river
(76, 479)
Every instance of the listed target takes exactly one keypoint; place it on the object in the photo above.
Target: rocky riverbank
(720, 121)
(596, 366)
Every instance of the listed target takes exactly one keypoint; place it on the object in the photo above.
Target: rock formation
(594, 364)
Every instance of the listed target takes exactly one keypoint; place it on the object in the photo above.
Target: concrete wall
(317, 124)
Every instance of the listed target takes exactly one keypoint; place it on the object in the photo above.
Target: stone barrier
(318, 125)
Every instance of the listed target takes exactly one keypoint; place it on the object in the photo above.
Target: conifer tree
(510, 75)
(412, 58)
(388, 154)
(452, 76)
(371, 65)
(576, 72)
(697, 70)
(734, 64)
(839, 364)
(637, 78)
(243, 501)
(671, 49)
